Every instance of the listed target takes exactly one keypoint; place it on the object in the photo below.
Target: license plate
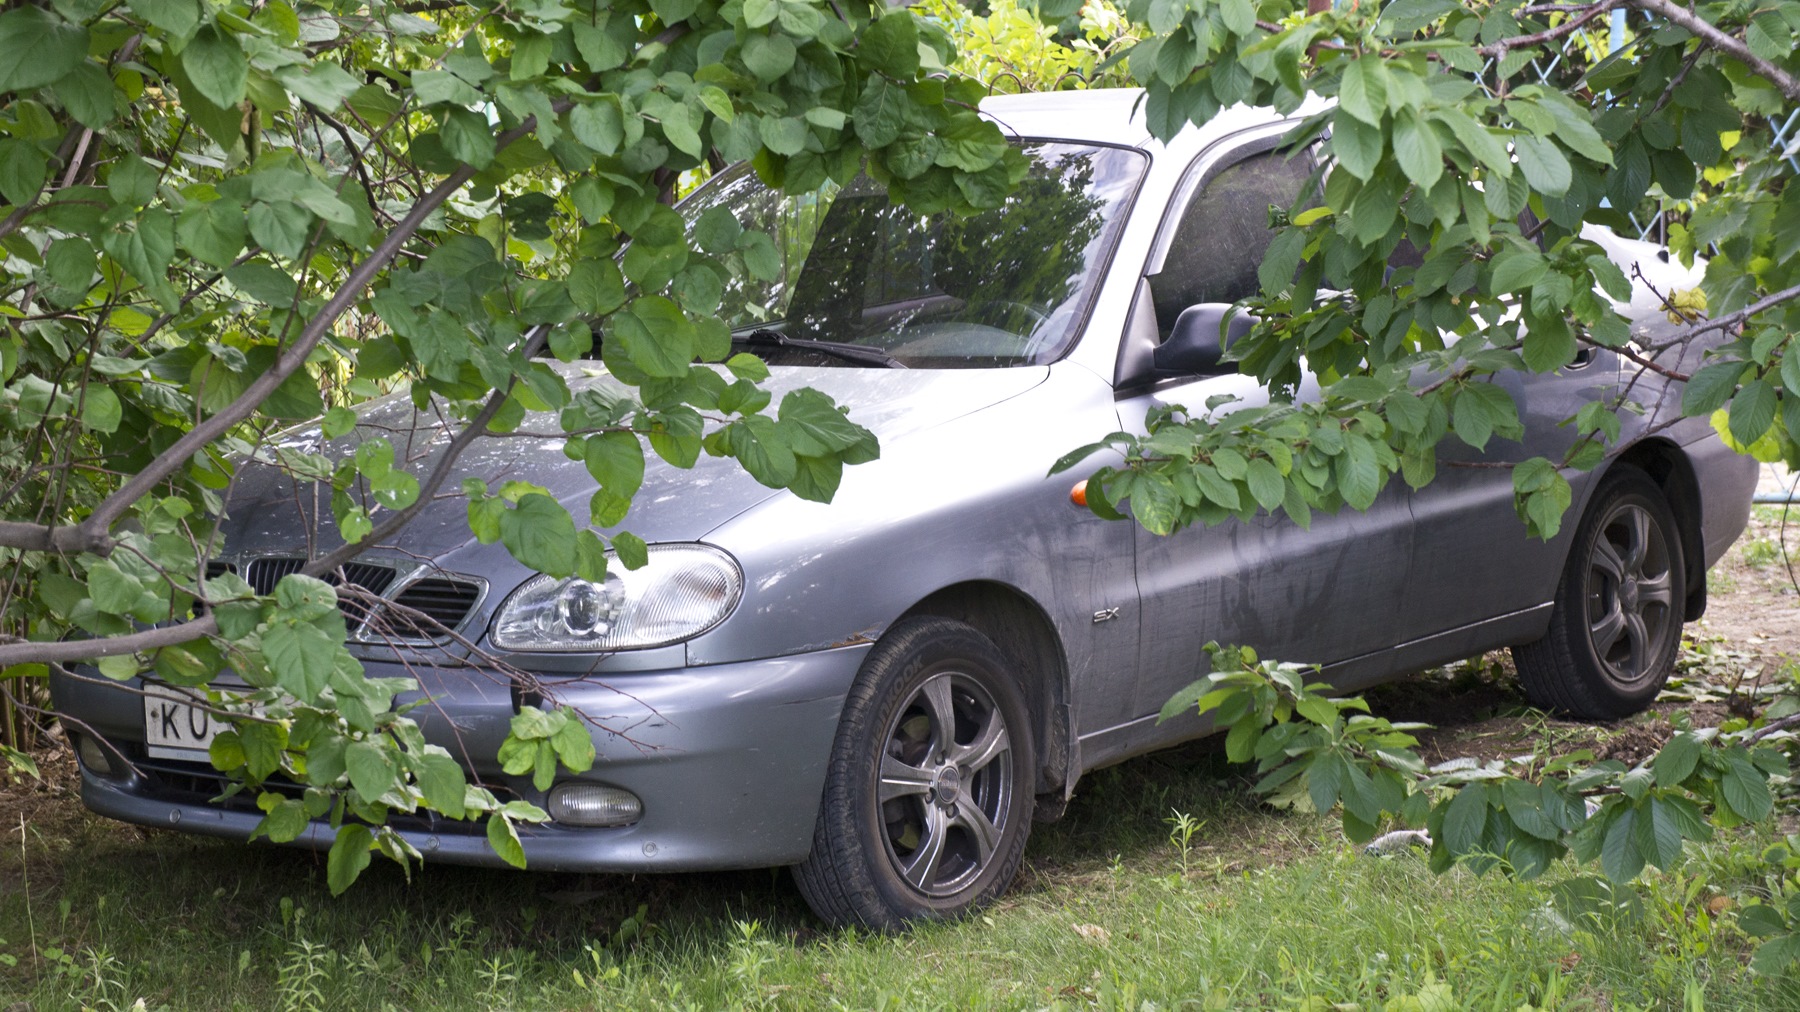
(174, 728)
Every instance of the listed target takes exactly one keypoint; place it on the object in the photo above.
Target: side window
(1224, 232)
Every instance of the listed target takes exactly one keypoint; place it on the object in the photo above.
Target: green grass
(1260, 910)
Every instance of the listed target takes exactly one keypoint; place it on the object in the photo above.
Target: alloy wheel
(1630, 594)
(946, 784)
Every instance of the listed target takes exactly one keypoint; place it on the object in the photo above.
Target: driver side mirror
(1198, 341)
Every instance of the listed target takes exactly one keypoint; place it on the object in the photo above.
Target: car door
(1318, 595)
(1476, 566)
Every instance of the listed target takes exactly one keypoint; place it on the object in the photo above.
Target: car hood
(271, 512)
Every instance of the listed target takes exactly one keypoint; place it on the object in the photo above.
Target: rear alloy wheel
(928, 796)
(1618, 614)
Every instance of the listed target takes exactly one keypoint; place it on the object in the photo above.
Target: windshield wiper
(850, 352)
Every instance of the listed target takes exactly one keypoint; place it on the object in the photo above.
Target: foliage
(1011, 50)
(1446, 129)
(222, 218)
(1319, 753)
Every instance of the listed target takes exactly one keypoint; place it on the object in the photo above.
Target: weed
(300, 979)
(1759, 553)
(1182, 828)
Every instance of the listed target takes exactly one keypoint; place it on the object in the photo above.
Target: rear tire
(928, 796)
(1616, 624)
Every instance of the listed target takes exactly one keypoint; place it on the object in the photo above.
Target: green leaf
(285, 821)
(540, 533)
(467, 137)
(215, 63)
(1709, 389)
(23, 169)
(146, 251)
(596, 286)
(784, 135)
(1417, 149)
(1357, 145)
(1267, 486)
(1517, 270)
(1544, 165)
(531, 56)
(768, 56)
(760, 13)
(816, 426)
(1752, 411)
(100, 409)
(505, 840)
(177, 17)
(890, 44)
(880, 112)
(113, 590)
(655, 336)
(1481, 143)
(1363, 91)
(37, 47)
(371, 768)
(1746, 790)
(1620, 856)
(1465, 817)
(616, 460)
(598, 48)
(87, 92)
(574, 745)
(349, 856)
(213, 231)
(631, 550)
(301, 655)
(598, 125)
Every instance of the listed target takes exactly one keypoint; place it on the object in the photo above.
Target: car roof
(1106, 115)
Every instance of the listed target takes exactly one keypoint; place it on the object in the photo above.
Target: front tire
(928, 795)
(1616, 625)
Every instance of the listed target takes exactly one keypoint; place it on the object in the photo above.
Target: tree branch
(344, 553)
(1732, 319)
(1711, 35)
(91, 534)
(26, 651)
(1549, 34)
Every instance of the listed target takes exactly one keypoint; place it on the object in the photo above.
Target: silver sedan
(882, 692)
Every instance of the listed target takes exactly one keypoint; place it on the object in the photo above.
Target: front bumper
(729, 761)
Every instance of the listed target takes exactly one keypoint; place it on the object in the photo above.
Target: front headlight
(682, 592)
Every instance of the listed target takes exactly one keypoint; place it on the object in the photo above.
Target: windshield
(998, 288)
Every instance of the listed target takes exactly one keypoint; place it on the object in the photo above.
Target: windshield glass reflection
(998, 288)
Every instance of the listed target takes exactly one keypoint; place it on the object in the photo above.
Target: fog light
(578, 804)
(93, 755)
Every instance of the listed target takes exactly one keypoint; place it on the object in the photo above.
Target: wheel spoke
(1639, 638)
(936, 693)
(1604, 633)
(922, 869)
(1607, 561)
(970, 817)
(991, 743)
(1656, 591)
(899, 779)
(1639, 522)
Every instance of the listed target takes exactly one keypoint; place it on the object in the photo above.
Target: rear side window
(1224, 232)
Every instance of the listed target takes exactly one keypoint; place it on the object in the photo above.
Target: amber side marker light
(1078, 494)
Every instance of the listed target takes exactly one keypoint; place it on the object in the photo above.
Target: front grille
(264, 574)
(197, 783)
(430, 606)
(444, 602)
